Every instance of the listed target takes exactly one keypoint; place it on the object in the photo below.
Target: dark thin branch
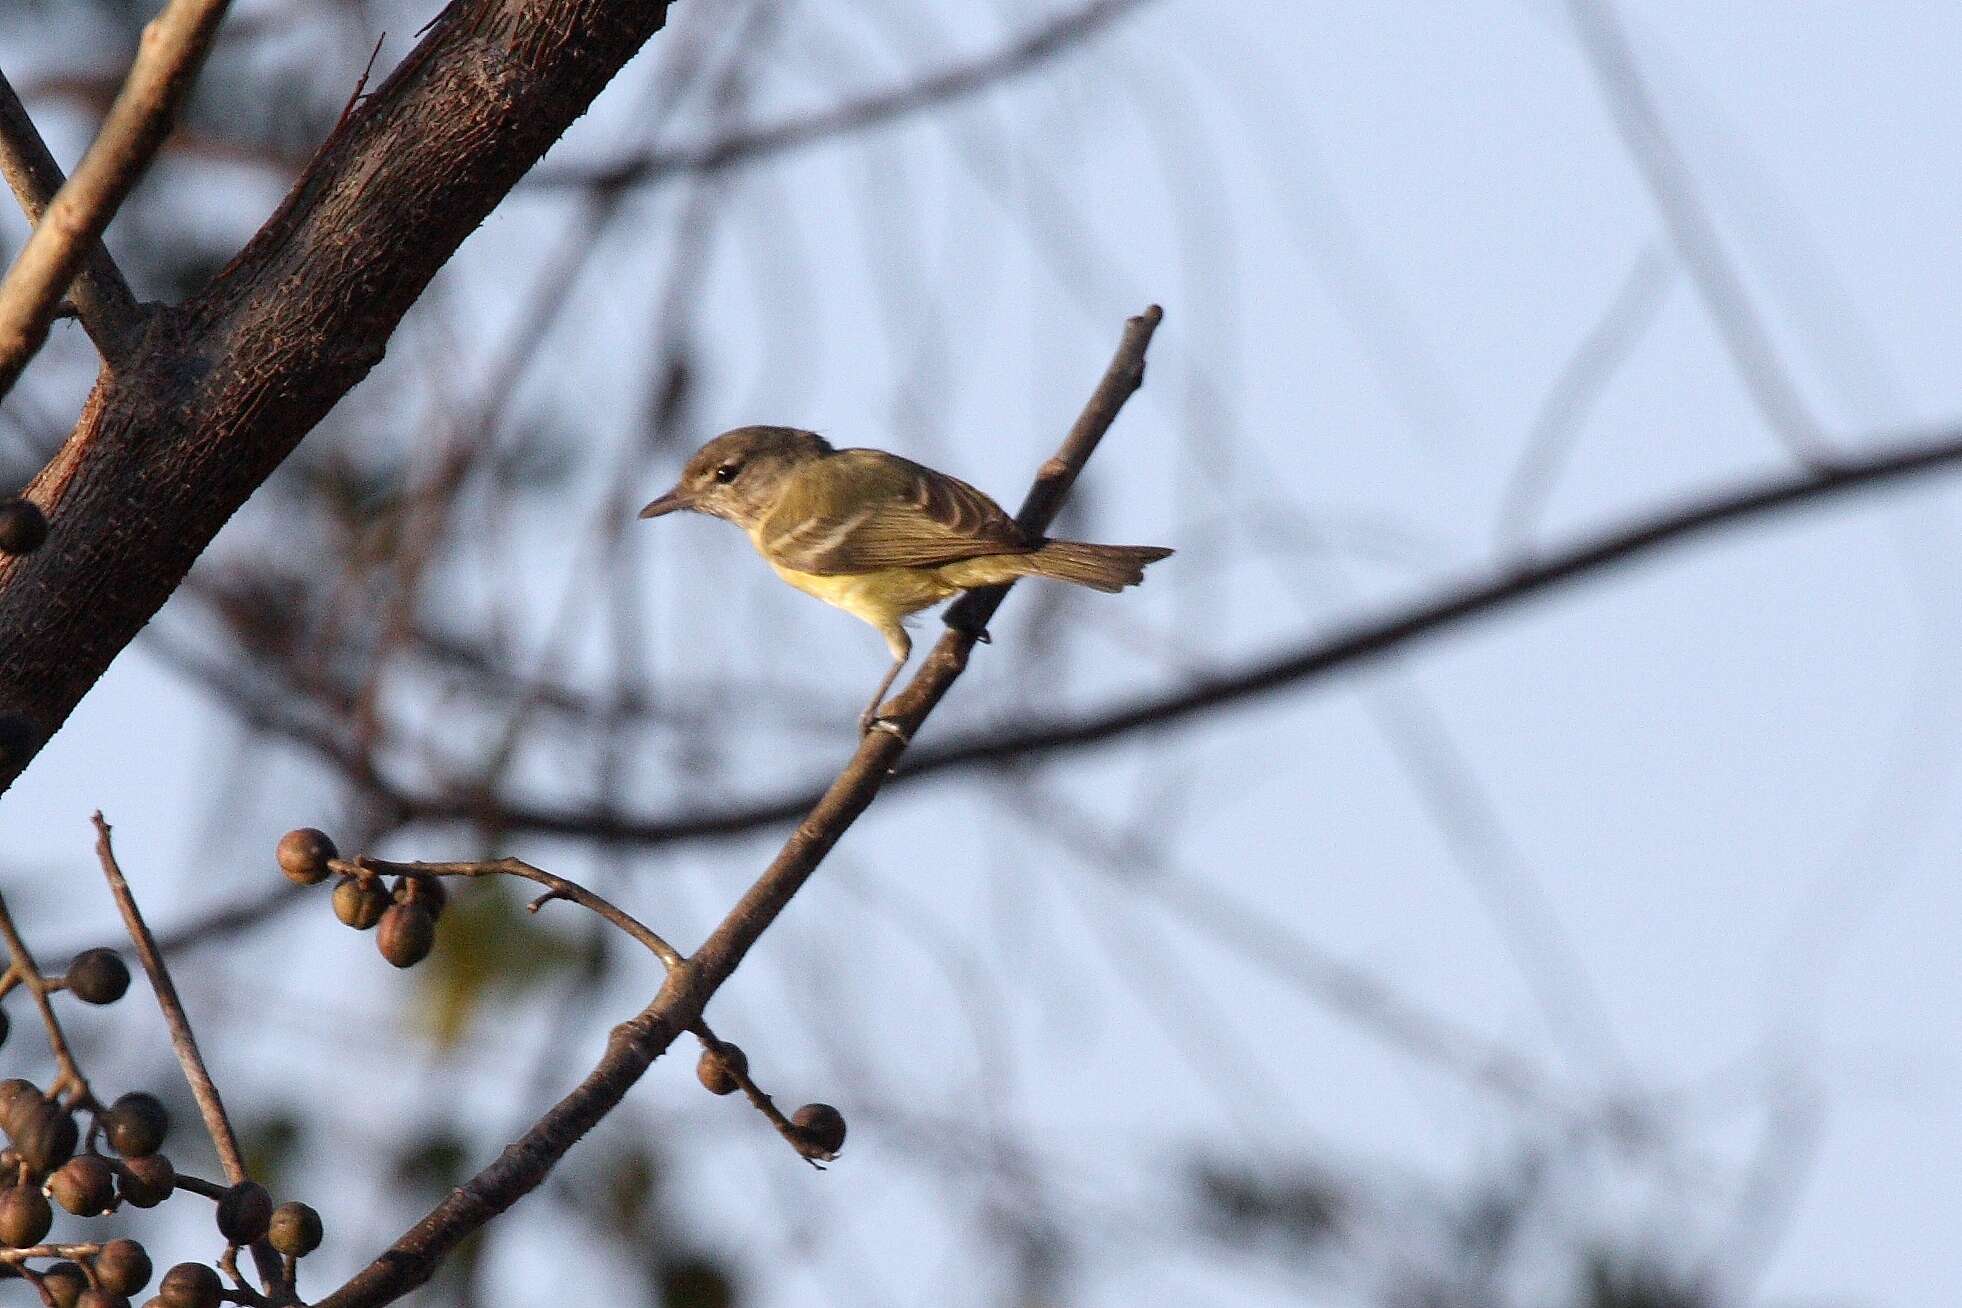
(102, 299)
(167, 61)
(557, 887)
(1345, 648)
(23, 970)
(182, 1039)
(754, 144)
(636, 1043)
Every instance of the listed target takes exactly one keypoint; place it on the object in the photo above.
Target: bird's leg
(902, 649)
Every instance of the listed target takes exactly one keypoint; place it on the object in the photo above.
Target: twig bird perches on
(877, 535)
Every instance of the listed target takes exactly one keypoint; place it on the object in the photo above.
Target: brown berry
(136, 1124)
(100, 1298)
(360, 902)
(123, 1266)
(821, 1126)
(46, 1136)
(303, 855)
(66, 1282)
(85, 1185)
(98, 976)
(719, 1066)
(408, 932)
(244, 1212)
(24, 1216)
(16, 1095)
(190, 1285)
(295, 1229)
(427, 891)
(145, 1181)
(22, 526)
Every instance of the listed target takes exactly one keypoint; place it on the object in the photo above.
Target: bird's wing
(862, 510)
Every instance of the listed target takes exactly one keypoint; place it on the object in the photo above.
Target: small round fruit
(820, 1125)
(360, 903)
(22, 526)
(15, 1096)
(65, 1282)
(146, 1180)
(190, 1285)
(98, 976)
(303, 855)
(85, 1185)
(295, 1229)
(123, 1266)
(244, 1212)
(24, 1216)
(100, 1298)
(136, 1124)
(719, 1066)
(45, 1137)
(408, 933)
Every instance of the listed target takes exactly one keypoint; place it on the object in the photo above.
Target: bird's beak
(669, 503)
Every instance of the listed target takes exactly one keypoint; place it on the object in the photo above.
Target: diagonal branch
(752, 144)
(182, 1039)
(109, 312)
(167, 61)
(636, 1043)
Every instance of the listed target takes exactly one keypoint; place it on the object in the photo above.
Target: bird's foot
(869, 722)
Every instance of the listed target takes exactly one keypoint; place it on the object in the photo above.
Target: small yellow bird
(877, 535)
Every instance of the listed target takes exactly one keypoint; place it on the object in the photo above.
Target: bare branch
(167, 61)
(182, 1039)
(750, 145)
(23, 970)
(636, 1043)
(103, 301)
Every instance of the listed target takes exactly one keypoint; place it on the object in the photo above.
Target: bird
(876, 534)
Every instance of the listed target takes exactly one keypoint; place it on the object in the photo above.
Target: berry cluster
(405, 912)
(49, 1160)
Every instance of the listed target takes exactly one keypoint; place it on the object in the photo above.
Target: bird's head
(740, 473)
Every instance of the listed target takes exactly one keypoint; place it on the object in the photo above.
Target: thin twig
(182, 1039)
(748, 145)
(762, 1102)
(634, 1044)
(556, 886)
(68, 1073)
(108, 310)
(173, 45)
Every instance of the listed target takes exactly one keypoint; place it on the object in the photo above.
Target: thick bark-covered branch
(636, 1043)
(175, 440)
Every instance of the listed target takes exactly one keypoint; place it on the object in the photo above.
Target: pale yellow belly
(880, 598)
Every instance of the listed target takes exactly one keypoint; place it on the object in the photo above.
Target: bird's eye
(727, 472)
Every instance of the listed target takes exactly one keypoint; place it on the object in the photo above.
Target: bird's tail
(1100, 567)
